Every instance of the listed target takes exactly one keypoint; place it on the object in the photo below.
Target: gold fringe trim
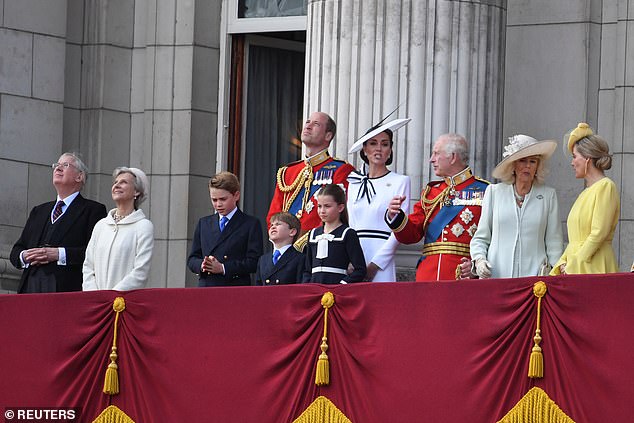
(536, 363)
(322, 410)
(113, 414)
(322, 375)
(111, 382)
(536, 407)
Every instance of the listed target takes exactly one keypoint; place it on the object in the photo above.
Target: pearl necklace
(519, 199)
(118, 217)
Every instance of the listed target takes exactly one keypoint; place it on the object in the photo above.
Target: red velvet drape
(401, 352)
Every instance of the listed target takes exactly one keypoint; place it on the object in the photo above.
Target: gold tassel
(111, 382)
(322, 376)
(536, 363)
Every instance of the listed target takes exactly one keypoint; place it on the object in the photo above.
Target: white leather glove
(483, 268)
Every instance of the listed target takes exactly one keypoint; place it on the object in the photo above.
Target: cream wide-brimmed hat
(392, 126)
(519, 147)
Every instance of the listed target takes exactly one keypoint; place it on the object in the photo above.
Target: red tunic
(442, 254)
(324, 170)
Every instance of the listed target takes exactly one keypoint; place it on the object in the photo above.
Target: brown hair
(225, 180)
(339, 195)
(390, 134)
(290, 219)
(331, 126)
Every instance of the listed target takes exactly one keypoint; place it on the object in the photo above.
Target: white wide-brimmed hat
(519, 147)
(392, 126)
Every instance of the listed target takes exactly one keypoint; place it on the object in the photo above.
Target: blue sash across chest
(447, 213)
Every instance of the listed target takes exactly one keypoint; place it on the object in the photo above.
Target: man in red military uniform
(298, 182)
(446, 216)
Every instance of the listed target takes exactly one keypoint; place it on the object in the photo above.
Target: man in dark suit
(284, 265)
(227, 244)
(52, 246)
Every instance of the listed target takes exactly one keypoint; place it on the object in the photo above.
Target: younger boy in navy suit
(227, 244)
(285, 264)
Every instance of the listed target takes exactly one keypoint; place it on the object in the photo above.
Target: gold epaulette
(482, 180)
(301, 242)
(339, 160)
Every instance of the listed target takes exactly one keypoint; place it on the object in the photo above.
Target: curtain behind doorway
(274, 118)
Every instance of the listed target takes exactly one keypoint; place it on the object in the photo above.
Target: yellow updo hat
(581, 131)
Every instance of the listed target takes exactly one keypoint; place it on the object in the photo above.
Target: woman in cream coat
(120, 249)
(519, 233)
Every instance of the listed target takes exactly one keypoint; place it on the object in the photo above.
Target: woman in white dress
(519, 233)
(369, 195)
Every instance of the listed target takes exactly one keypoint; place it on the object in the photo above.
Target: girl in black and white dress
(334, 246)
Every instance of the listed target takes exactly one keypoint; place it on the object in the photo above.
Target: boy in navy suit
(226, 245)
(285, 264)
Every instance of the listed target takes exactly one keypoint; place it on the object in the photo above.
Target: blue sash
(448, 213)
(320, 178)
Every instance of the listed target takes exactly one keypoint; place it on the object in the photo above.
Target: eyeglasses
(62, 165)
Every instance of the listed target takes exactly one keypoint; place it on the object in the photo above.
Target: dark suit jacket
(238, 247)
(72, 231)
(289, 268)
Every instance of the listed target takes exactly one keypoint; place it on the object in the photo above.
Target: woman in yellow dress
(595, 213)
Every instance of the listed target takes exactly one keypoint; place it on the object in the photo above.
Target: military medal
(449, 199)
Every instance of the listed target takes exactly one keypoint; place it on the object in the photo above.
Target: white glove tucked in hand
(483, 268)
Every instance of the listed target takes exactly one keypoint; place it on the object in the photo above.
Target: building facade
(185, 88)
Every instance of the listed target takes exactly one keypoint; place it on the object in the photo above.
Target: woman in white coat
(519, 233)
(120, 249)
(370, 193)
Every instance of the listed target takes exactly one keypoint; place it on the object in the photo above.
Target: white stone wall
(123, 82)
(568, 62)
(32, 58)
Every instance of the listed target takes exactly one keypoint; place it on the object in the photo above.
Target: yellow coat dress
(591, 223)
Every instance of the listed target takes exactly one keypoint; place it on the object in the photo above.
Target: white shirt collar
(283, 249)
(229, 216)
(68, 199)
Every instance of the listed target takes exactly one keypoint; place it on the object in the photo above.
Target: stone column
(442, 61)
(147, 99)
(614, 76)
